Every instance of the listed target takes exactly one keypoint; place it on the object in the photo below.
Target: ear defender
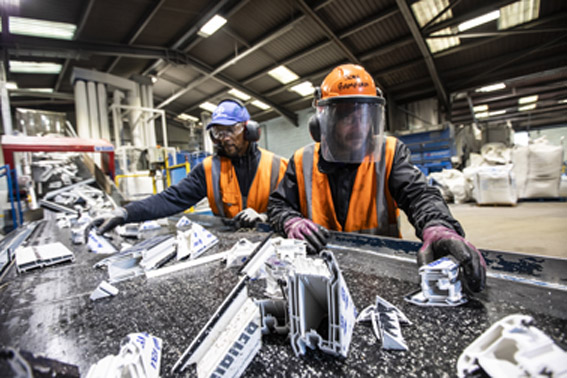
(315, 128)
(252, 131)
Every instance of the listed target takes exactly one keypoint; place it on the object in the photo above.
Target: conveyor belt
(48, 311)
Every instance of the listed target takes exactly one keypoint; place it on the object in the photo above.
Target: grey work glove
(249, 217)
(304, 229)
(439, 241)
(107, 222)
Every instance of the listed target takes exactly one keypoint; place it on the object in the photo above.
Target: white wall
(283, 138)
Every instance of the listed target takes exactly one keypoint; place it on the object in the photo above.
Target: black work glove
(249, 217)
(304, 229)
(107, 222)
(439, 241)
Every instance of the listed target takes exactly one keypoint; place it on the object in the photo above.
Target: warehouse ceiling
(414, 49)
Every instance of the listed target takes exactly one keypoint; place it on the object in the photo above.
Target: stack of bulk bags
(538, 169)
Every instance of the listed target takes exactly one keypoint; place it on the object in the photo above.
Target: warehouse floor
(536, 228)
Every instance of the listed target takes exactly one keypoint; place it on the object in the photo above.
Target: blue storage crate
(431, 150)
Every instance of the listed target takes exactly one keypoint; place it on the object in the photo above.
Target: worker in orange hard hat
(354, 179)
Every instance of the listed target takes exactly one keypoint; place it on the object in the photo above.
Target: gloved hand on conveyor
(439, 241)
(107, 222)
(249, 217)
(304, 229)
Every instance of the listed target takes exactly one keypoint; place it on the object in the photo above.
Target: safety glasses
(219, 132)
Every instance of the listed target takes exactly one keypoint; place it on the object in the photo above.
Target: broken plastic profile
(440, 285)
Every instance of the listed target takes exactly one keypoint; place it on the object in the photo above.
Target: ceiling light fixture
(212, 26)
(528, 99)
(304, 89)
(480, 108)
(239, 94)
(187, 117)
(473, 23)
(527, 107)
(283, 74)
(491, 88)
(260, 104)
(208, 106)
(11, 85)
(34, 67)
(41, 28)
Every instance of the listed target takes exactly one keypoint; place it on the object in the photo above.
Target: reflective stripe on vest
(223, 190)
(370, 210)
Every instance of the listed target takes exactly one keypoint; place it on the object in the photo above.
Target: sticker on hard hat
(353, 84)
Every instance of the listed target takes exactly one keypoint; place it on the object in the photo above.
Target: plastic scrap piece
(230, 339)
(322, 313)
(40, 256)
(184, 265)
(439, 285)
(158, 255)
(273, 316)
(194, 241)
(99, 244)
(238, 254)
(139, 357)
(103, 290)
(513, 347)
(183, 222)
(149, 225)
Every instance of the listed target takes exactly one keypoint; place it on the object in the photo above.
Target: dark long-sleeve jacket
(422, 203)
(192, 189)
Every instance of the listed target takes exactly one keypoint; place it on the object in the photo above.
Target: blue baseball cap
(229, 113)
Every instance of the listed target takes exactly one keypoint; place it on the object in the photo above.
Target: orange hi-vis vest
(370, 211)
(223, 190)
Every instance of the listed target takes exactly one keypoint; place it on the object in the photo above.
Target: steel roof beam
(332, 36)
(138, 30)
(414, 28)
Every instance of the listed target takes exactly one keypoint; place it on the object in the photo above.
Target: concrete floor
(535, 228)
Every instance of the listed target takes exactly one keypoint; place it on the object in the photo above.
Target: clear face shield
(352, 128)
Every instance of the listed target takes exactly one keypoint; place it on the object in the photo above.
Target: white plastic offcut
(238, 254)
(440, 285)
(195, 241)
(103, 290)
(99, 244)
(512, 347)
(321, 311)
(228, 342)
(139, 357)
(40, 256)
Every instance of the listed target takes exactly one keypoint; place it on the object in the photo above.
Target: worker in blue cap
(237, 180)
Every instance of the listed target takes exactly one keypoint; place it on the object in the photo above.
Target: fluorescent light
(260, 104)
(527, 107)
(304, 89)
(41, 90)
(518, 13)
(208, 106)
(239, 94)
(283, 74)
(42, 28)
(34, 67)
(564, 101)
(427, 10)
(494, 15)
(11, 85)
(528, 99)
(440, 44)
(480, 108)
(493, 87)
(490, 114)
(212, 26)
(187, 117)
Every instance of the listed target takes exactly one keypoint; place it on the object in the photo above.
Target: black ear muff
(315, 128)
(252, 131)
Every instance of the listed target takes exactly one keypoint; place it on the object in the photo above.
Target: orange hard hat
(348, 80)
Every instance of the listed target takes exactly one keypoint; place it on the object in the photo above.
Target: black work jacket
(422, 203)
(192, 189)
